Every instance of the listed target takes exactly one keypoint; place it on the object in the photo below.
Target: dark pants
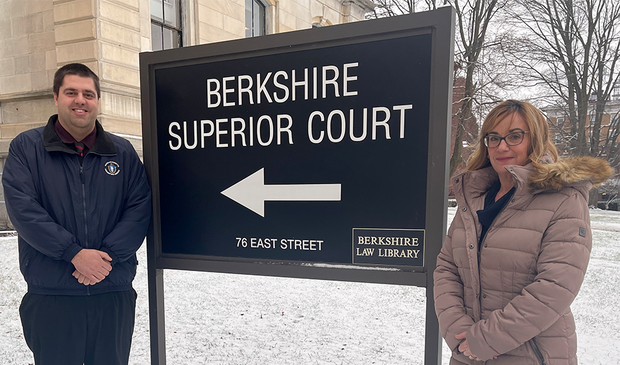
(70, 330)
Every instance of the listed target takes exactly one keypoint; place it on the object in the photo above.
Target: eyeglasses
(512, 139)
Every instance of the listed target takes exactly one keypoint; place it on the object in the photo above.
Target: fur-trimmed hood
(555, 175)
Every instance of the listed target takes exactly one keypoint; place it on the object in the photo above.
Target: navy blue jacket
(59, 207)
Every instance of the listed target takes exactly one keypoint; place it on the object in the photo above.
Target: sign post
(313, 154)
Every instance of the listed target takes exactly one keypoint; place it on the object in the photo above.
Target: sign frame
(440, 25)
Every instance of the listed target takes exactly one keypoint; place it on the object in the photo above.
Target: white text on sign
(280, 243)
(266, 130)
(366, 122)
(234, 90)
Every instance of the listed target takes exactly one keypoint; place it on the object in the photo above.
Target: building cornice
(25, 96)
(367, 5)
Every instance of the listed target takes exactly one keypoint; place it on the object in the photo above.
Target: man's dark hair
(77, 69)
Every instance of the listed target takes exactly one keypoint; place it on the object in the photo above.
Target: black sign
(318, 148)
(283, 156)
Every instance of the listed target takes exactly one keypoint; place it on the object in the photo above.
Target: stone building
(39, 36)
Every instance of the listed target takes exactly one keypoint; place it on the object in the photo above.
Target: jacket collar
(51, 141)
(472, 186)
(580, 173)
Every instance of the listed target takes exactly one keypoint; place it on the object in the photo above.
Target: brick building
(560, 126)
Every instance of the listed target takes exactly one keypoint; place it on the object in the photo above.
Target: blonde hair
(540, 142)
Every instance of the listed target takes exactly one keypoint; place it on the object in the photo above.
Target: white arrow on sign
(252, 192)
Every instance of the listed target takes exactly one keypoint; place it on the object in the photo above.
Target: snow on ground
(214, 318)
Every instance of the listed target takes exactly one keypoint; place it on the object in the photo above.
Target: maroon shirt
(66, 137)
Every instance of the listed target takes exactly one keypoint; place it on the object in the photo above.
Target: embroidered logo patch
(582, 231)
(112, 168)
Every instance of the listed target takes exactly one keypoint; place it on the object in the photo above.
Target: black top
(492, 208)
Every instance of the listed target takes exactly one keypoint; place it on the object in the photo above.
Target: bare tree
(474, 19)
(571, 48)
(388, 8)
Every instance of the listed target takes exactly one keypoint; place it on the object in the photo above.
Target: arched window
(254, 18)
(166, 30)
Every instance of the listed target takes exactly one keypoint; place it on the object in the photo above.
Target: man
(81, 204)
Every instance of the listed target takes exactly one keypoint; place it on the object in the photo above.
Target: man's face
(78, 105)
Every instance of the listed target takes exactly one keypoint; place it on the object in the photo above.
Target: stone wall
(39, 36)
(27, 66)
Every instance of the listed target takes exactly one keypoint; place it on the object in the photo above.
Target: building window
(254, 18)
(166, 32)
(560, 123)
(616, 90)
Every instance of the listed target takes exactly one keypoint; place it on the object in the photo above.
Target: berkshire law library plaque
(306, 148)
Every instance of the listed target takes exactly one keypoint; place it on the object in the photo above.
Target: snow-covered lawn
(235, 319)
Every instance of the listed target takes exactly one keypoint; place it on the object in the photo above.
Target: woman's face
(504, 155)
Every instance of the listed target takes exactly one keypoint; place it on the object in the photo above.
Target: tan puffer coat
(513, 296)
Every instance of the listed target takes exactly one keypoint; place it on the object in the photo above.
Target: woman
(517, 250)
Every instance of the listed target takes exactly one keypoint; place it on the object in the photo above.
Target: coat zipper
(83, 181)
(481, 245)
(84, 205)
(537, 352)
